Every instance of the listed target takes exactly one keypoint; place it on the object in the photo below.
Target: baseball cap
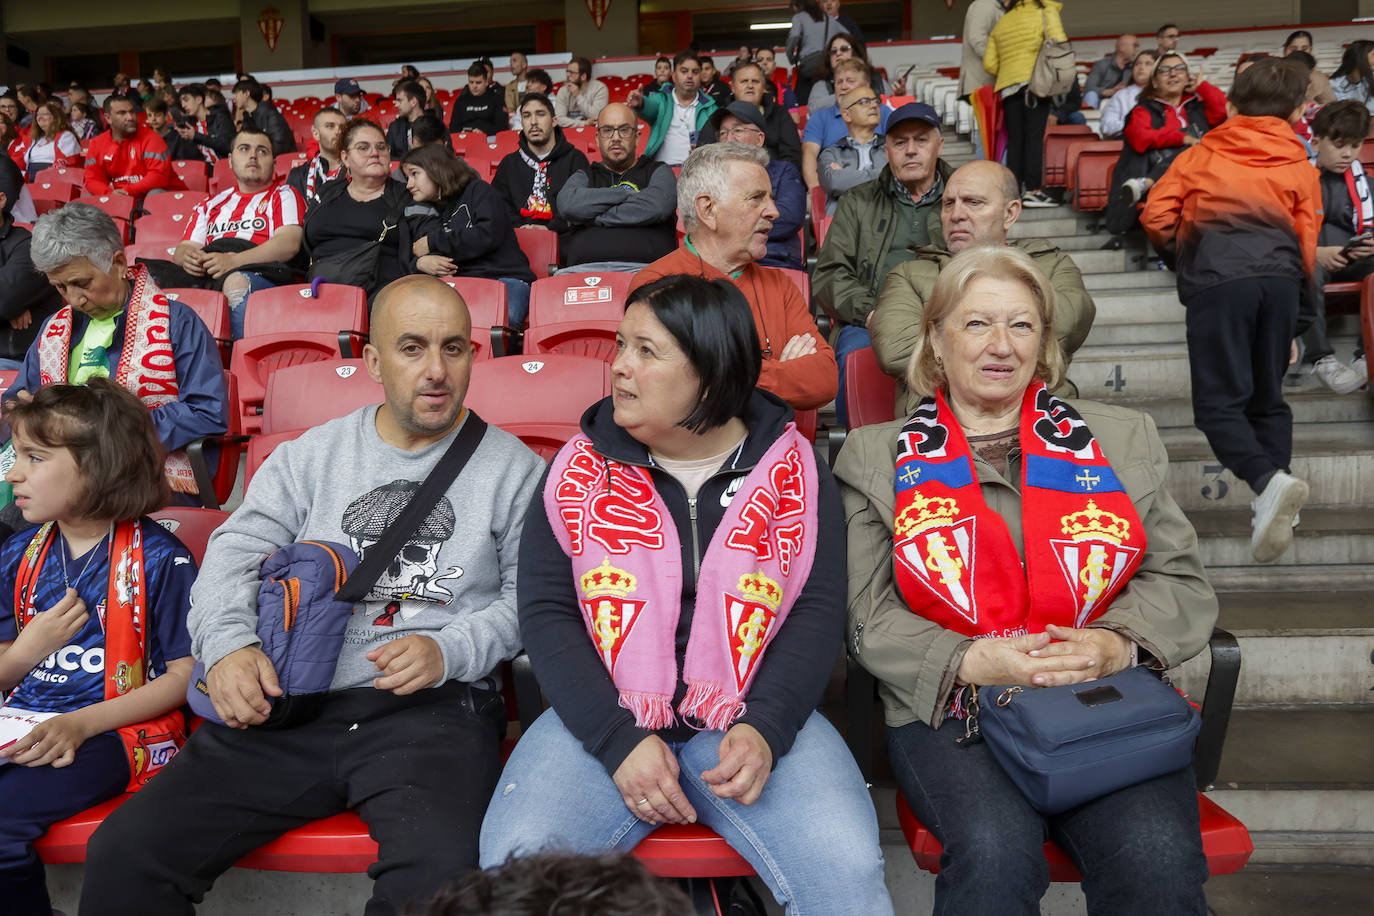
(347, 86)
(745, 111)
(913, 111)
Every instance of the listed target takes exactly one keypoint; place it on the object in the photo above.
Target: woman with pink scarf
(681, 598)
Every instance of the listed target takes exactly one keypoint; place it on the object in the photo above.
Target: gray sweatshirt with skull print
(454, 581)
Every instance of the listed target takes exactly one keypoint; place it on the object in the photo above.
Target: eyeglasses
(1171, 68)
(840, 49)
(979, 327)
(624, 131)
(742, 130)
(368, 147)
(866, 100)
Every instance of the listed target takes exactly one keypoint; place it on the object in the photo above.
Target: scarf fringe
(652, 710)
(708, 703)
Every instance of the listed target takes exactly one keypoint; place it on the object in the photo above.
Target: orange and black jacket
(1243, 202)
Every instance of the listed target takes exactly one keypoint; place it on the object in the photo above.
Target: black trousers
(1026, 117)
(419, 770)
(1315, 339)
(1239, 335)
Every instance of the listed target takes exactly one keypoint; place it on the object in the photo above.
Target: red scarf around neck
(955, 561)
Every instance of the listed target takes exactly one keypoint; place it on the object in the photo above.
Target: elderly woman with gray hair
(116, 323)
(1005, 536)
(725, 202)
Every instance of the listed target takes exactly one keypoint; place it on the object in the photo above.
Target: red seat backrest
(1056, 146)
(541, 249)
(299, 397)
(192, 174)
(540, 398)
(183, 202)
(1093, 174)
(120, 206)
(577, 313)
(191, 525)
(211, 305)
(161, 227)
(53, 189)
(288, 309)
(870, 393)
(161, 250)
(486, 302)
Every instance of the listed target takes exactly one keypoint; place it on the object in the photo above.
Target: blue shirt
(827, 128)
(73, 677)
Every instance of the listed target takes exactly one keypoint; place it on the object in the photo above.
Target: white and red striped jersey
(230, 215)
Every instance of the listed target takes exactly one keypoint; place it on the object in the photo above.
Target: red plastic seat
(259, 447)
(821, 229)
(538, 399)
(161, 227)
(801, 279)
(192, 526)
(299, 397)
(7, 377)
(1093, 165)
(818, 201)
(222, 176)
(541, 249)
(120, 206)
(486, 302)
(577, 313)
(52, 194)
(870, 394)
(183, 202)
(153, 251)
(191, 173)
(288, 326)
(286, 162)
(1225, 842)
(213, 309)
(72, 175)
(1056, 149)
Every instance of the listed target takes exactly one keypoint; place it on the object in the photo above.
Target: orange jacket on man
(780, 313)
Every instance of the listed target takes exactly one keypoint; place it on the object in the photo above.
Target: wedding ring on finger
(642, 803)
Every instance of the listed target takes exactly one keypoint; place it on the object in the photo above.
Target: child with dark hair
(93, 603)
(1237, 213)
(1345, 242)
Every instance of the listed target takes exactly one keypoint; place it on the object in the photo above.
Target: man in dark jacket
(621, 214)
(309, 179)
(260, 114)
(159, 118)
(410, 105)
(26, 297)
(211, 126)
(529, 179)
(741, 122)
(481, 106)
(780, 136)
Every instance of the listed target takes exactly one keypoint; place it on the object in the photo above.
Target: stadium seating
(161, 227)
(192, 526)
(577, 314)
(299, 397)
(288, 161)
(215, 487)
(183, 202)
(284, 328)
(1056, 150)
(870, 393)
(52, 194)
(120, 206)
(541, 249)
(213, 309)
(222, 176)
(1092, 164)
(191, 173)
(555, 389)
(71, 174)
(486, 301)
(150, 251)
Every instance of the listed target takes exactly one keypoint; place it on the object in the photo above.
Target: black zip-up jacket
(514, 179)
(273, 123)
(793, 674)
(22, 289)
(220, 131)
(475, 232)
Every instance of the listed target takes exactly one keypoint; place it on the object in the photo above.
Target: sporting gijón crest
(609, 610)
(942, 557)
(750, 623)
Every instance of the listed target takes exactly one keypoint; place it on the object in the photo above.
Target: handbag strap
(449, 466)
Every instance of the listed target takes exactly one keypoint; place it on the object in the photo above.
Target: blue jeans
(517, 301)
(812, 835)
(1139, 848)
(1092, 100)
(237, 311)
(851, 338)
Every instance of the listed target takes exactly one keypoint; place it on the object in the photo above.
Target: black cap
(913, 111)
(747, 112)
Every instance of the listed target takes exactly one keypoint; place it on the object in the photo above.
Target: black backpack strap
(450, 465)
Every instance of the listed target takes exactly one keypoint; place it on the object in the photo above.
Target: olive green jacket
(846, 279)
(1168, 608)
(896, 325)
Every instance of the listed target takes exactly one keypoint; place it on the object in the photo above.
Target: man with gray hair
(980, 204)
(725, 202)
(116, 323)
(408, 734)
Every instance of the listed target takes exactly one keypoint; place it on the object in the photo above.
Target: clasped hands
(648, 777)
(241, 682)
(1060, 655)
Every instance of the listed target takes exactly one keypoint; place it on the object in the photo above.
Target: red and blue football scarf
(956, 563)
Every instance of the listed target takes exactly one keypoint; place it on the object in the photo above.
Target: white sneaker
(1274, 510)
(1361, 368)
(1133, 189)
(1337, 376)
(1037, 199)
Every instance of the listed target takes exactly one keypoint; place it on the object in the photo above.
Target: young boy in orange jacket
(1238, 214)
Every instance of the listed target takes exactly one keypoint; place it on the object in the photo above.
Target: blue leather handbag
(1064, 746)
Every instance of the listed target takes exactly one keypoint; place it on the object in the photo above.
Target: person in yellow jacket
(1010, 56)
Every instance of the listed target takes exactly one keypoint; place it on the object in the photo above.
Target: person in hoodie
(1239, 215)
(481, 106)
(529, 179)
(473, 236)
(694, 697)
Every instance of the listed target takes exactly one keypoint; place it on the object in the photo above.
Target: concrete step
(1299, 778)
(1341, 536)
(1084, 241)
(1096, 261)
(1298, 647)
(1314, 577)
(1310, 407)
(1134, 280)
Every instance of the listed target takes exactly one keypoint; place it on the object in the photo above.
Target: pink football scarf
(627, 564)
(956, 563)
(146, 364)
